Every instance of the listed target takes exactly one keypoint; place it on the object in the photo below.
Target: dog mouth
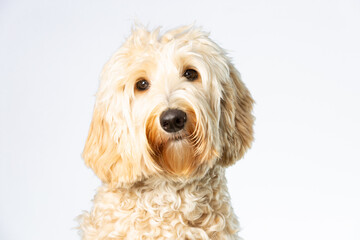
(177, 137)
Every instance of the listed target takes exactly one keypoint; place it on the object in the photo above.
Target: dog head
(168, 105)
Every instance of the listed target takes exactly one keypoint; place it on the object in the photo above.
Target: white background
(300, 60)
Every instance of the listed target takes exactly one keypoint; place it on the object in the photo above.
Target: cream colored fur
(156, 187)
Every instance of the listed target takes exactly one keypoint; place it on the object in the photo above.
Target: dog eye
(191, 74)
(142, 85)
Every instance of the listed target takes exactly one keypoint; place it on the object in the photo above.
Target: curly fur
(155, 187)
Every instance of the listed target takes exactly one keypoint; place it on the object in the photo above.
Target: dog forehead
(173, 46)
(165, 58)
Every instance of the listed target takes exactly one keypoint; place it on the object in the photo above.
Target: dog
(171, 114)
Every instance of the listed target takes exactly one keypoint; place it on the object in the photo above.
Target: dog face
(168, 105)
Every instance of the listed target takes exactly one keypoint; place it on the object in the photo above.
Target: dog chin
(178, 156)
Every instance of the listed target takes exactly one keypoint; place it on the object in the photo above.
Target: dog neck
(202, 205)
(159, 183)
(204, 190)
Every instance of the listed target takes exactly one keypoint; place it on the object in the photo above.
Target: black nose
(173, 120)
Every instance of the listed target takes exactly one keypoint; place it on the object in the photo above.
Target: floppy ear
(236, 123)
(103, 154)
(100, 150)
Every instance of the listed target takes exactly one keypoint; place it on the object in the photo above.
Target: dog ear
(100, 150)
(236, 123)
(103, 155)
